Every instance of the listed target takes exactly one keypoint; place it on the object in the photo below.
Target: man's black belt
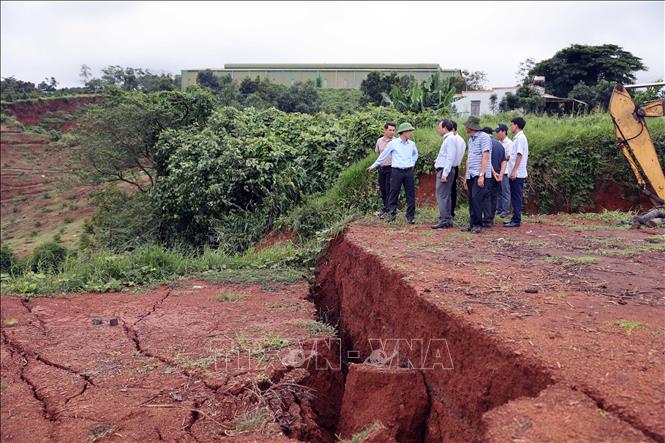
(403, 169)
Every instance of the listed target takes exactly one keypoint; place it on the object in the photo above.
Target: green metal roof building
(334, 76)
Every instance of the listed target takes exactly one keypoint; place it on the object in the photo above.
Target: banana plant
(434, 93)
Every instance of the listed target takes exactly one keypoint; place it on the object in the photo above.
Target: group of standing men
(495, 171)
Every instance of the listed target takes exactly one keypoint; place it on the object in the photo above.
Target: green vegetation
(212, 181)
(364, 434)
(100, 431)
(10, 322)
(316, 328)
(8, 259)
(570, 157)
(108, 271)
(48, 257)
(627, 325)
(254, 419)
(230, 297)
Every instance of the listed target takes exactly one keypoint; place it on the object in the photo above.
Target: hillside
(41, 196)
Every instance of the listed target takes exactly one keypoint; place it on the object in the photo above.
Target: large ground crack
(630, 420)
(156, 305)
(46, 411)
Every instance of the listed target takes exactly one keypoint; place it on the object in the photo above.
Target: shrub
(8, 261)
(48, 257)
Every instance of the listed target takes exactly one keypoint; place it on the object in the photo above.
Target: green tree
(48, 86)
(589, 65)
(119, 136)
(524, 68)
(85, 74)
(469, 81)
(376, 84)
(301, 97)
(526, 98)
(12, 89)
(493, 102)
(207, 79)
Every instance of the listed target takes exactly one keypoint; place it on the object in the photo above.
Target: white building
(479, 102)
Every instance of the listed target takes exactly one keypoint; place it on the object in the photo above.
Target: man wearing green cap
(477, 171)
(404, 156)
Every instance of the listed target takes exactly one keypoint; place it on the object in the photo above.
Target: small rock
(531, 290)
(113, 322)
(96, 321)
(176, 396)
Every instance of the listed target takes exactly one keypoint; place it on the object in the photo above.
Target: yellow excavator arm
(635, 142)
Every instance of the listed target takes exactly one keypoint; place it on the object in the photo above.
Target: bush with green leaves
(123, 220)
(48, 257)
(8, 260)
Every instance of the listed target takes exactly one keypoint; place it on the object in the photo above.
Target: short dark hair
(519, 121)
(487, 130)
(445, 123)
(389, 124)
(454, 124)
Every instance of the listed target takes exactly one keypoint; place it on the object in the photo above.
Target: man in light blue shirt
(477, 170)
(445, 176)
(404, 156)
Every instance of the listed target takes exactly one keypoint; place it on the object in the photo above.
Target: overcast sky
(56, 38)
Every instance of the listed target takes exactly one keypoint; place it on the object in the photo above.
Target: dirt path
(556, 330)
(192, 362)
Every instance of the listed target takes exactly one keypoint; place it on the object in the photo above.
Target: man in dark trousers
(404, 156)
(517, 172)
(385, 168)
(445, 176)
(461, 148)
(478, 172)
(498, 164)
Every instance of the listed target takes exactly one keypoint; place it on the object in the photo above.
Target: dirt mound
(30, 112)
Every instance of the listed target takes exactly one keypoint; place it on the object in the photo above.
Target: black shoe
(475, 229)
(389, 218)
(511, 225)
(412, 221)
(467, 228)
(441, 225)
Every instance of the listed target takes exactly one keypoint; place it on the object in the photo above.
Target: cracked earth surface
(180, 365)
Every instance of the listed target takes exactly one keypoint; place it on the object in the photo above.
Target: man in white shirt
(503, 197)
(445, 175)
(461, 148)
(517, 170)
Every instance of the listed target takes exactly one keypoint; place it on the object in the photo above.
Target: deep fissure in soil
(369, 303)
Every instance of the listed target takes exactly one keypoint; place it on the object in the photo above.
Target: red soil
(395, 397)
(542, 346)
(608, 195)
(31, 112)
(425, 195)
(176, 368)
(275, 237)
